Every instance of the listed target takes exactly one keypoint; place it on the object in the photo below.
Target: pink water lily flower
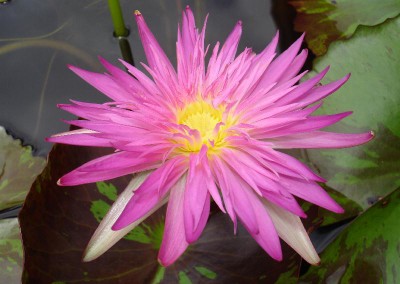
(205, 132)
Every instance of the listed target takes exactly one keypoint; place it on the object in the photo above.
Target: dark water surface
(39, 38)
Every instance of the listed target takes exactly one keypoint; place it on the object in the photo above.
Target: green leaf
(18, 170)
(206, 272)
(183, 278)
(367, 251)
(325, 21)
(107, 189)
(10, 251)
(372, 55)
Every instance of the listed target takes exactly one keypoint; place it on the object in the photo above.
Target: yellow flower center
(207, 123)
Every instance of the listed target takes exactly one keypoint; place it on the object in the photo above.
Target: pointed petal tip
(163, 263)
(278, 256)
(339, 209)
(88, 255)
(372, 134)
(313, 260)
(103, 61)
(118, 225)
(137, 13)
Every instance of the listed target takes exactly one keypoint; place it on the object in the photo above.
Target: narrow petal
(266, 235)
(281, 63)
(81, 137)
(286, 202)
(227, 54)
(104, 84)
(156, 57)
(307, 125)
(303, 89)
(108, 167)
(311, 192)
(152, 190)
(291, 230)
(223, 182)
(248, 207)
(196, 200)
(174, 241)
(321, 139)
(321, 92)
(104, 237)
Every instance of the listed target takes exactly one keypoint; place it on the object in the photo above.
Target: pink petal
(153, 189)
(287, 202)
(287, 165)
(310, 124)
(311, 192)
(108, 167)
(224, 184)
(320, 92)
(302, 89)
(103, 83)
(295, 67)
(227, 54)
(320, 139)
(174, 242)
(266, 235)
(156, 57)
(248, 207)
(196, 201)
(280, 64)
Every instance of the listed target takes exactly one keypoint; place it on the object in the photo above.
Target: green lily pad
(18, 170)
(367, 251)
(368, 172)
(326, 21)
(10, 251)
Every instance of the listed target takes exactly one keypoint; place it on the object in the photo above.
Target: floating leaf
(10, 251)
(325, 21)
(18, 170)
(367, 251)
(372, 55)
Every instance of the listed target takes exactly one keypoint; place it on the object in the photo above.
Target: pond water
(39, 38)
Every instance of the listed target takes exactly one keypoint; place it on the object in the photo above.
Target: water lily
(205, 132)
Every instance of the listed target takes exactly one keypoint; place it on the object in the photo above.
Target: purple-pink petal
(174, 239)
(151, 191)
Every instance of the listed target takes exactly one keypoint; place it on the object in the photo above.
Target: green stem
(118, 21)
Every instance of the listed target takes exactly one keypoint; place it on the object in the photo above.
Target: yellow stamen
(208, 121)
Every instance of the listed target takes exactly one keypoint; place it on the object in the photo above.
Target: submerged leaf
(18, 170)
(10, 251)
